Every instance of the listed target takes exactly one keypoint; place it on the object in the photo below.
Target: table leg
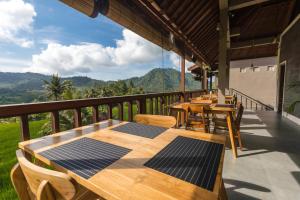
(223, 193)
(231, 134)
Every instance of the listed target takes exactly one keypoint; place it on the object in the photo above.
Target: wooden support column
(182, 76)
(77, 117)
(95, 114)
(224, 45)
(204, 80)
(55, 121)
(210, 81)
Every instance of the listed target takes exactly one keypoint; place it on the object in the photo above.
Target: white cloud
(16, 17)
(175, 60)
(12, 64)
(131, 51)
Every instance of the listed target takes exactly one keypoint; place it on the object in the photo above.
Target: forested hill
(27, 87)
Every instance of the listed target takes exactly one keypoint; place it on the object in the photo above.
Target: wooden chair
(34, 182)
(197, 117)
(156, 120)
(221, 124)
(204, 101)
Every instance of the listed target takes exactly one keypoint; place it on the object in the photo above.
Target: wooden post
(120, 111)
(109, 111)
(204, 80)
(55, 121)
(224, 45)
(210, 81)
(25, 135)
(161, 105)
(130, 113)
(95, 114)
(156, 106)
(182, 74)
(77, 117)
(142, 106)
(151, 106)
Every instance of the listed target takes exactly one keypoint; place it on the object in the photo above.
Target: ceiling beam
(160, 15)
(238, 4)
(253, 43)
(235, 32)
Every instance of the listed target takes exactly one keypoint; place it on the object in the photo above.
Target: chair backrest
(43, 183)
(239, 115)
(206, 101)
(156, 120)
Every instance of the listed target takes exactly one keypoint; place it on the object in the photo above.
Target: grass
(9, 138)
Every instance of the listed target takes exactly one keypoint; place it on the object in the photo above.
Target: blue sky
(47, 36)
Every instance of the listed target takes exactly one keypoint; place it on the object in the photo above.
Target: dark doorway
(281, 86)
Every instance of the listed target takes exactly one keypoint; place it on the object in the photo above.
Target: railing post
(95, 111)
(55, 121)
(109, 111)
(151, 106)
(77, 117)
(156, 106)
(130, 117)
(161, 105)
(120, 111)
(25, 135)
(141, 106)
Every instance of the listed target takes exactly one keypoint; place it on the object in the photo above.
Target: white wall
(260, 84)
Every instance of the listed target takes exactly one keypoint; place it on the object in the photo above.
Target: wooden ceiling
(255, 25)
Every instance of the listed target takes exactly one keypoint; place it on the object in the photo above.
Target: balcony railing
(249, 102)
(157, 104)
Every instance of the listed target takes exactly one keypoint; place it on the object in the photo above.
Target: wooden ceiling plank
(199, 17)
(193, 11)
(238, 4)
(255, 42)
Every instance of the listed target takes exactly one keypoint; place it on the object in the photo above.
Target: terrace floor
(269, 166)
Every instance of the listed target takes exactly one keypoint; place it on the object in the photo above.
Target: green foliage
(291, 108)
(28, 87)
(9, 137)
(56, 87)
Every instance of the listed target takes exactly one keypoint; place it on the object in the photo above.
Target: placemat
(140, 129)
(191, 160)
(85, 156)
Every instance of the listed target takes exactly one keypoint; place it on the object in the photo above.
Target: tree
(56, 87)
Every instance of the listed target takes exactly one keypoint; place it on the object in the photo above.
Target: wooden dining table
(134, 175)
(227, 109)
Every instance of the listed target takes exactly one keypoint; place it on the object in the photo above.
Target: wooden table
(217, 109)
(128, 178)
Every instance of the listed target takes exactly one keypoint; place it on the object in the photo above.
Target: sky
(47, 36)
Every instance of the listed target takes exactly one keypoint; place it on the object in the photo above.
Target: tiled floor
(269, 166)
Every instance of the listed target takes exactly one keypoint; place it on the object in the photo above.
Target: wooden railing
(249, 102)
(157, 102)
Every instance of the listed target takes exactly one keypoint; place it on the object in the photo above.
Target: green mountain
(28, 87)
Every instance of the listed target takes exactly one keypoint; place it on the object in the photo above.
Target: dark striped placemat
(191, 160)
(85, 156)
(140, 129)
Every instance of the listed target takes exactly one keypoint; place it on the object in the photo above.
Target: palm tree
(56, 87)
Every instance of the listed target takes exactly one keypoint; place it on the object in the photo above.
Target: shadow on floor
(247, 121)
(235, 185)
(296, 175)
